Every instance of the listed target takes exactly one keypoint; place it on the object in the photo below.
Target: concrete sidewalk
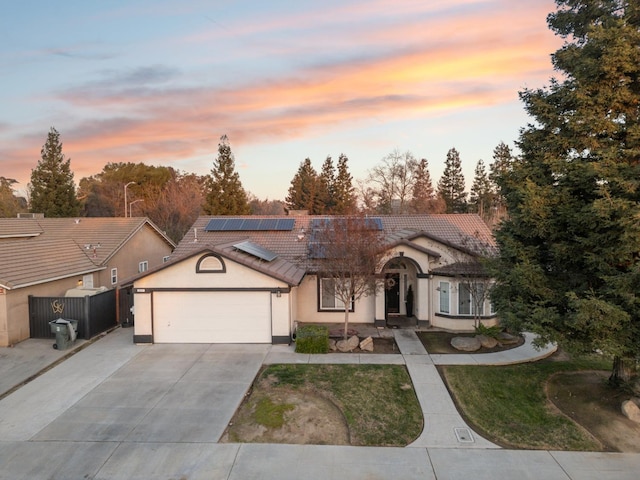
(115, 410)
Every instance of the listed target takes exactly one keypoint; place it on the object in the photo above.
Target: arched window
(210, 263)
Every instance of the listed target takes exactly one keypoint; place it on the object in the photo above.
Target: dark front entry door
(392, 292)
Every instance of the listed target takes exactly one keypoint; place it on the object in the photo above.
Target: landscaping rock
(487, 342)
(366, 345)
(332, 345)
(631, 410)
(348, 345)
(466, 344)
(507, 339)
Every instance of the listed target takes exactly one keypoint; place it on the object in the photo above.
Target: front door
(392, 293)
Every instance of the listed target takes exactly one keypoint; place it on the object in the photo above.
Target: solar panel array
(372, 223)
(249, 224)
(316, 248)
(256, 250)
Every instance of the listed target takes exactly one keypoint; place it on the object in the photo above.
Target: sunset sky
(160, 81)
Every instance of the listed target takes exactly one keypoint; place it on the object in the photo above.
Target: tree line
(399, 184)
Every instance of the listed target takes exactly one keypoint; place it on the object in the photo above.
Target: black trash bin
(66, 332)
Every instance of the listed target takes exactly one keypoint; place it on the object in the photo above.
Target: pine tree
(569, 266)
(344, 196)
(225, 193)
(326, 184)
(52, 189)
(422, 190)
(501, 166)
(481, 192)
(10, 205)
(303, 190)
(451, 185)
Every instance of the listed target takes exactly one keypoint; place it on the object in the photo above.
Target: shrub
(312, 339)
(488, 331)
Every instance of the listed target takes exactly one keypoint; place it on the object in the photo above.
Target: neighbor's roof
(466, 232)
(40, 250)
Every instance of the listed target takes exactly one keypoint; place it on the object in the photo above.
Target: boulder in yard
(631, 410)
(507, 339)
(366, 345)
(487, 342)
(348, 345)
(332, 345)
(466, 344)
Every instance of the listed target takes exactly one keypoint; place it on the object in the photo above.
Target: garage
(212, 317)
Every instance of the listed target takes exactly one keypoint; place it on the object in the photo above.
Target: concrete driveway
(119, 411)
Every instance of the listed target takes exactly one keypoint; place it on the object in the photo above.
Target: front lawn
(330, 404)
(509, 405)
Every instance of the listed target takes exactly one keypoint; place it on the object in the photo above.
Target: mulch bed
(440, 343)
(380, 345)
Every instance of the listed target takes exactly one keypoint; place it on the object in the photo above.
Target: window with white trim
(471, 298)
(114, 276)
(327, 295)
(464, 299)
(87, 281)
(444, 288)
(143, 266)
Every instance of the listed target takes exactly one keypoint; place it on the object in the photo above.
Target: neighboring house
(47, 256)
(248, 280)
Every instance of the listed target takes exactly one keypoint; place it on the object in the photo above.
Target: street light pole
(131, 204)
(125, 198)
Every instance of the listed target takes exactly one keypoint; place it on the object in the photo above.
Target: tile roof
(278, 268)
(43, 249)
(16, 228)
(466, 232)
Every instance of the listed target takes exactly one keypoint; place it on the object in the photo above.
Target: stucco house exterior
(46, 257)
(248, 279)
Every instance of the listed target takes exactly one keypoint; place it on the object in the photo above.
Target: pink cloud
(412, 69)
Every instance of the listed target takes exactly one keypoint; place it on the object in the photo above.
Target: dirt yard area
(588, 400)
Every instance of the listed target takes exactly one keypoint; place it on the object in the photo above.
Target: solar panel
(215, 225)
(256, 250)
(285, 224)
(372, 223)
(268, 224)
(233, 224)
(375, 223)
(239, 224)
(250, 224)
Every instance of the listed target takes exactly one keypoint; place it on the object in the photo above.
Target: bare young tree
(474, 280)
(392, 182)
(350, 252)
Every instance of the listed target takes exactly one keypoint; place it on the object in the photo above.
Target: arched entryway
(400, 292)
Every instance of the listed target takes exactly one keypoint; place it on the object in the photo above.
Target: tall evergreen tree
(501, 166)
(422, 190)
(344, 197)
(303, 190)
(325, 191)
(451, 185)
(225, 194)
(481, 192)
(52, 190)
(10, 205)
(569, 266)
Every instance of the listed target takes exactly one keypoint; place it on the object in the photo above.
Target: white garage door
(211, 317)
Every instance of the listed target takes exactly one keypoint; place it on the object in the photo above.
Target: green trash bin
(65, 331)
